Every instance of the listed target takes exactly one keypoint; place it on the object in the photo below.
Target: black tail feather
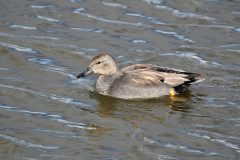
(192, 77)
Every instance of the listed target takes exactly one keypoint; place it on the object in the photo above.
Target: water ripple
(43, 61)
(95, 30)
(228, 137)
(59, 133)
(179, 147)
(75, 47)
(18, 48)
(42, 6)
(57, 69)
(132, 40)
(236, 12)
(150, 19)
(44, 37)
(155, 155)
(61, 157)
(174, 34)
(210, 26)
(49, 19)
(54, 117)
(191, 15)
(153, 2)
(4, 69)
(237, 29)
(22, 27)
(79, 11)
(75, 1)
(235, 45)
(158, 4)
(25, 143)
(66, 100)
(10, 108)
(190, 55)
(17, 157)
(115, 5)
(72, 124)
(216, 140)
(27, 37)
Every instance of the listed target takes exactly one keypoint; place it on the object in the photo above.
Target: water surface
(46, 113)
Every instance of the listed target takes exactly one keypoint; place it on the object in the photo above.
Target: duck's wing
(143, 77)
(175, 77)
(147, 73)
(138, 66)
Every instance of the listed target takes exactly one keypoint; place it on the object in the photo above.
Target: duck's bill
(85, 73)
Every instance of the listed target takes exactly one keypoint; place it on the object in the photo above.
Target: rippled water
(46, 113)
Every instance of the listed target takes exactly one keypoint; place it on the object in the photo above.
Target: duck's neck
(114, 67)
(113, 70)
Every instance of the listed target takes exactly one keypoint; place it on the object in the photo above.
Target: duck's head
(103, 63)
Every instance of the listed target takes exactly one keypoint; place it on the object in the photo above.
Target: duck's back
(174, 77)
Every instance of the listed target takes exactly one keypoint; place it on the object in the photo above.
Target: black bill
(85, 73)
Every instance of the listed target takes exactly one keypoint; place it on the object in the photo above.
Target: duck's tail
(192, 78)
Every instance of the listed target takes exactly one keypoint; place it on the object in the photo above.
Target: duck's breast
(104, 84)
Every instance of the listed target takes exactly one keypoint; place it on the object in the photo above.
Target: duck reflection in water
(109, 106)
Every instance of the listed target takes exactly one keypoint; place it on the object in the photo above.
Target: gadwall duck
(138, 80)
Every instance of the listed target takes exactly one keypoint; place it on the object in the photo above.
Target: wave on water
(18, 48)
(61, 134)
(25, 143)
(4, 69)
(49, 19)
(174, 34)
(45, 115)
(216, 140)
(116, 5)
(95, 30)
(20, 36)
(191, 56)
(179, 147)
(79, 11)
(41, 60)
(158, 4)
(22, 27)
(66, 100)
(42, 6)
(153, 20)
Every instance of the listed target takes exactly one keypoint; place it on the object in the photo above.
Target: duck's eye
(98, 62)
